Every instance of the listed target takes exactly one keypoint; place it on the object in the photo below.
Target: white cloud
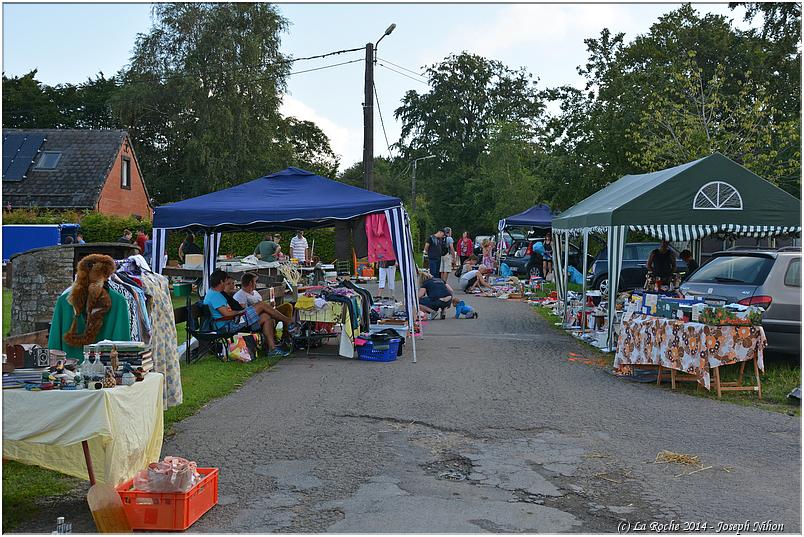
(346, 143)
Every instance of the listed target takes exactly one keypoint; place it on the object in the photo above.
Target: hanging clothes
(380, 245)
(359, 237)
(163, 337)
(343, 240)
(115, 323)
(133, 306)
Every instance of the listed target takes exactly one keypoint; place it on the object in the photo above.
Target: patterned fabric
(133, 317)
(693, 348)
(163, 337)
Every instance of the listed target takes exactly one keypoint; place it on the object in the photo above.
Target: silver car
(770, 279)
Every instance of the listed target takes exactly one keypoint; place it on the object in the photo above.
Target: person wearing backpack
(434, 249)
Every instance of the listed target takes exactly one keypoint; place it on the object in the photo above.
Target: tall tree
(201, 99)
(27, 104)
(468, 95)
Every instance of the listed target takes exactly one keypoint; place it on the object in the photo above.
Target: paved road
(493, 430)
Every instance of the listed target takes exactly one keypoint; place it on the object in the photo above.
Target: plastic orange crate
(169, 511)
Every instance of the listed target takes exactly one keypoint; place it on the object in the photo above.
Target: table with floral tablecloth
(693, 348)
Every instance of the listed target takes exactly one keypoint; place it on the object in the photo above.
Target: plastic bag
(173, 474)
(505, 270)
(238, 349)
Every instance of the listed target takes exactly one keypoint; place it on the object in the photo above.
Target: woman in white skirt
(387, 274)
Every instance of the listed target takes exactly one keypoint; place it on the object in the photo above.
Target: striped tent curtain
(212, 243)
(558, 264)
(615, 247)
(683, 233)
(159, 238)
(399, 225)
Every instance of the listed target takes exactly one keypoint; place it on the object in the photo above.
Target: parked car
(634, 269)
(769, 279)
(523, 264)
(509, 236)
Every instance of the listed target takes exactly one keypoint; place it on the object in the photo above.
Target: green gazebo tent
(712, 195)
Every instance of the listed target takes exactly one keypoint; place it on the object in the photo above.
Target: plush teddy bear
(90, 296)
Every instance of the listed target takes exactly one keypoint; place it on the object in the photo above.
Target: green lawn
(202, 381)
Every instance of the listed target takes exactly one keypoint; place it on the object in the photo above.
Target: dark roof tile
(87, 156)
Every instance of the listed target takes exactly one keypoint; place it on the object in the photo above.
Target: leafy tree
(27, 104)
(201, 99)
(698, 117)
(468, 96)
(506, 182)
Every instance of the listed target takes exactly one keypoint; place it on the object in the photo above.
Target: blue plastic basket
(367, 352)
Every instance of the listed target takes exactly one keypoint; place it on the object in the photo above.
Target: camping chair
(201, 327)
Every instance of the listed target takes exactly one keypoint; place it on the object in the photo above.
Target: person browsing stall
(434, 249)
(299, 248)
(662, 262)
(475, 279)
(188, 246)
(692, 265)
(449, 258)
(223, 315)
(465, 247)
(267, 249)
(434, 295)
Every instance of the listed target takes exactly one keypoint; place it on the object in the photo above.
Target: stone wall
(38, 278)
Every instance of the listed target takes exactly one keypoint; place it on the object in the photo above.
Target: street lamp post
(413, 181)
(368, 111)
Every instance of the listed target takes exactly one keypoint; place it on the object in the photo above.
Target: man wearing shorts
(225, 317)
(448, 258)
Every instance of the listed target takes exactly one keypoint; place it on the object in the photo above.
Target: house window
(48, 160)
(125, 174)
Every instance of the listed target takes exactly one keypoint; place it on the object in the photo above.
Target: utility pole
(368, 111)
(368, 121)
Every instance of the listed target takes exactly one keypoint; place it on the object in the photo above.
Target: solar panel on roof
(11, 144)
(24, 158)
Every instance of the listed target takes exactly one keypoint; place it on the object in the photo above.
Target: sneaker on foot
(276, 353)
(443, 314)
(434, 316)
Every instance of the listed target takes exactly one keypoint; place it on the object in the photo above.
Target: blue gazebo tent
(287, 200)
(537, 216)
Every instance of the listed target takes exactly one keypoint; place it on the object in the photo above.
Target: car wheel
(602, 285)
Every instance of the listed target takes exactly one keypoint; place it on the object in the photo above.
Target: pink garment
(380, 244)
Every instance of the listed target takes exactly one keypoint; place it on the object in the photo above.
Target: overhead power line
(379, 109)
(403, 74)
(326, 66)
(403, 68)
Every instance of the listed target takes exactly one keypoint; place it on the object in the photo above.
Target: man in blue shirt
(223, 316)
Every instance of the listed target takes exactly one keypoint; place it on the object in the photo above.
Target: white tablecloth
(123, 426)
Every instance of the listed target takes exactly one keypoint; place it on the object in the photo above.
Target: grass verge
(202, 381)
(779, 378)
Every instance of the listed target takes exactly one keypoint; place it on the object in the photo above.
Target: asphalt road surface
(493, 430)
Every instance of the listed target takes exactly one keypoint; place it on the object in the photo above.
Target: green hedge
(243, 243)
(95, 227)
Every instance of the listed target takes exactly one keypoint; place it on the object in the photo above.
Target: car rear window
(734, 269)
(792, 278)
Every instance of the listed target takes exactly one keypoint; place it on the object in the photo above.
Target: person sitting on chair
(224, 316)
(248, 296)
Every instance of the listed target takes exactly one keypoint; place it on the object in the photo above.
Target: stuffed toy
(90, 296)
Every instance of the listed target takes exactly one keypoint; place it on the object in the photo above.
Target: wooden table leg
(756, 373)
(659, 376)
(88, 459)
(740, 376)
(717, 381)
(672, 379)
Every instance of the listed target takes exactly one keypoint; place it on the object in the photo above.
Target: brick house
(73, 169)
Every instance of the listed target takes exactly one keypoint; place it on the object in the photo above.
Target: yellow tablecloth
(123, 426)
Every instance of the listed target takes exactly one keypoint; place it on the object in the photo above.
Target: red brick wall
(119, 201)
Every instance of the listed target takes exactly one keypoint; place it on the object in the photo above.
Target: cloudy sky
(70, 42)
